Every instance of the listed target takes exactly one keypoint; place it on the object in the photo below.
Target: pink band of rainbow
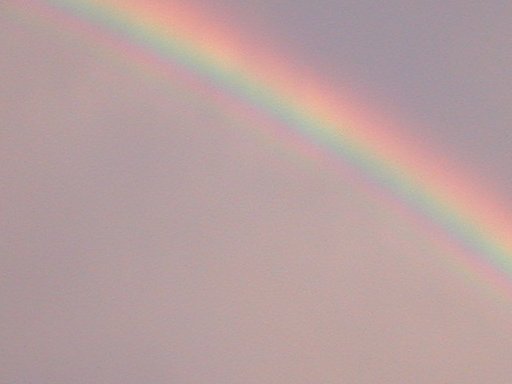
(178, 37)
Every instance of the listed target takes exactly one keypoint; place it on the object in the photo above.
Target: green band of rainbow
(329, 123)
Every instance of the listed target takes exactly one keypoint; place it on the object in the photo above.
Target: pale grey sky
(147, 237)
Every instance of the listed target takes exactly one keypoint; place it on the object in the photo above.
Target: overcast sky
(148, 237)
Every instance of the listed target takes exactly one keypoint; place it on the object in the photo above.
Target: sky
(149, 236)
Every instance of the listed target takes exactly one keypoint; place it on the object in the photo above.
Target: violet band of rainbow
(467, 214)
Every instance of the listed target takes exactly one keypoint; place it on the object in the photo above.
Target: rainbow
(179, 40)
